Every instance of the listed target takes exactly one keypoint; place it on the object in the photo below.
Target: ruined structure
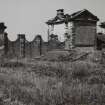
(22, 48)
(79, 28)
(76, 30)
(2, 39)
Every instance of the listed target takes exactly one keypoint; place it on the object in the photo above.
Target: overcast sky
(29, 16)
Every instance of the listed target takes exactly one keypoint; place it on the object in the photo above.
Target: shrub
(55, 69)
(80, 69)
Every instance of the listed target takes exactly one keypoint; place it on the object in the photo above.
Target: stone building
(79, 28)
(64, 32)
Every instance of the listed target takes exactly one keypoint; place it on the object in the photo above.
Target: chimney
(60, 12)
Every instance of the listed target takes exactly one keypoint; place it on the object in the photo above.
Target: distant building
(79, 28)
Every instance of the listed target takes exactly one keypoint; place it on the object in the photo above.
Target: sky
(29, 16)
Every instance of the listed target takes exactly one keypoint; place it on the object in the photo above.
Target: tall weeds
(53, 83)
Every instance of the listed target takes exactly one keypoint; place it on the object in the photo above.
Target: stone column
(22, 45)
(50, 30)
(69, 36)
(5, 43)
(72, 35)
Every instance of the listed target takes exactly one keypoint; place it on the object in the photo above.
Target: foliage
(102, 25)
(53, 83)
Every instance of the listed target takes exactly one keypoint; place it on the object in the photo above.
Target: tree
(102, 25)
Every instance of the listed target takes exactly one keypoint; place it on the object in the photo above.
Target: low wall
(22, 48)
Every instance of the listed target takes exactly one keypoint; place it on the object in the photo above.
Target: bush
(80, 69)
(54, 69)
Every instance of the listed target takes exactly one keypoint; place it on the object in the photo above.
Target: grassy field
(49, 82)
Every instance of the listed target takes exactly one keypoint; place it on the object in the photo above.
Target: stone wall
(22, 48)
(85, 33)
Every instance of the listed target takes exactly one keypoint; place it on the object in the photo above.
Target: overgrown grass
(53, 83)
